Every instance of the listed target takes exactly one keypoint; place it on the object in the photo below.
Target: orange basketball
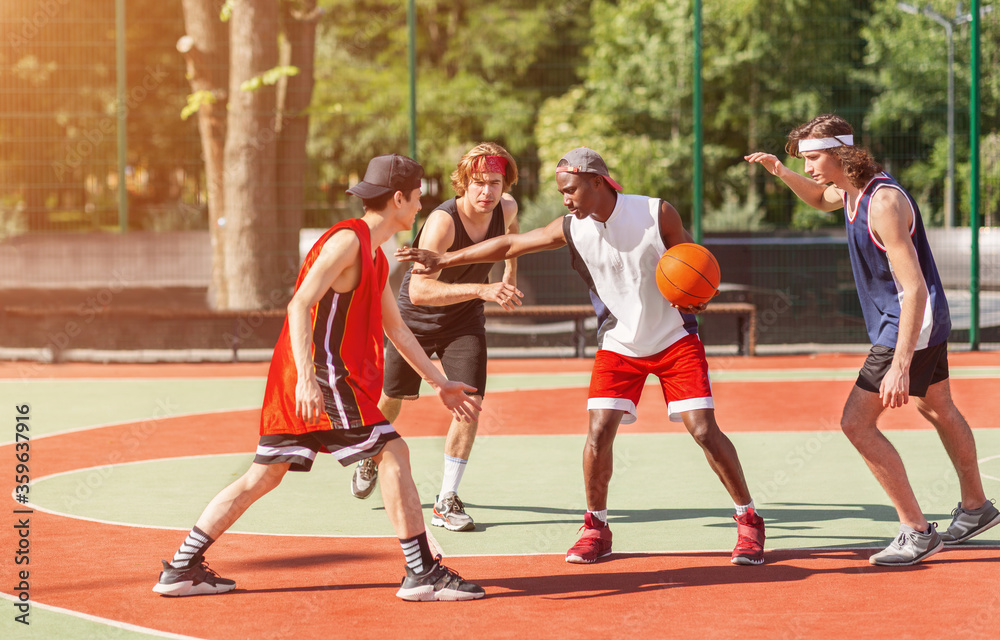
(688, 275)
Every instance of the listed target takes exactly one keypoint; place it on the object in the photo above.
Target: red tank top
(347, 349)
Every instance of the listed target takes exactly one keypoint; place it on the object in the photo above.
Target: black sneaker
(197, 580)
(437, 583)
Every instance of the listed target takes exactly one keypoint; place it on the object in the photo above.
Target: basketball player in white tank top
(616, 241)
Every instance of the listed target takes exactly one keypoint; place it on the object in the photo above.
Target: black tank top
(462, 318)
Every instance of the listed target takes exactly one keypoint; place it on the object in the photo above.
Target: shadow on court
(378, 587)
(603, 579)
(786, 515)
(794, 525)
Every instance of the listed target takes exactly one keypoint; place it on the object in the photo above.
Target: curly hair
(469, 166)
(858, 164)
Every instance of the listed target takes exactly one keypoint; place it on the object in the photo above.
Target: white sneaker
(909, 547)
(449, 512)
(364, 478)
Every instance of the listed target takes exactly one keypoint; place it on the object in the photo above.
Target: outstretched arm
(510, 218)
(452, 394)
(426, 289)
(818, 196)
(499, 248)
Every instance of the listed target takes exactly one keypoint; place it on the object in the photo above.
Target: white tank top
(618, 261)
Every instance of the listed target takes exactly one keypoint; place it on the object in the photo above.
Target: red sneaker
(594, 544)
(750, 539)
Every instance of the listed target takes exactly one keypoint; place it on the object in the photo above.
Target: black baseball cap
(388, 174)
(584, 160)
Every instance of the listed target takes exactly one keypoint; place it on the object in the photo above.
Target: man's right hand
(308, 399)
(506, 295)
(462, 406)
(430, 260)
(766, 160)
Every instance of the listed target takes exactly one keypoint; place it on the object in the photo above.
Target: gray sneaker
(909, 547)
(967, 523)
(364, 478)
(449, 512)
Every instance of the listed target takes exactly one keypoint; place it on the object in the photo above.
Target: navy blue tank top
(878, 290)
(462, 318)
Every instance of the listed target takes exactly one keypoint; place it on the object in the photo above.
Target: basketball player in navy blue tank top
(445, 312)
(907, 318)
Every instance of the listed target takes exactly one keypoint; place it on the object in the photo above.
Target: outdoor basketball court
(125, 457)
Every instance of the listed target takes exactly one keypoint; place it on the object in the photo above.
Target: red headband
(491, 164)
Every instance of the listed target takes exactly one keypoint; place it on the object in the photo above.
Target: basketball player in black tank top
(445, 312)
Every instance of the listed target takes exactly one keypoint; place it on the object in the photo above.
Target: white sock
(741, 510)
(601, 515)
(453, 470)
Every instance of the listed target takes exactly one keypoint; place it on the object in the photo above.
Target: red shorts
(617, 380)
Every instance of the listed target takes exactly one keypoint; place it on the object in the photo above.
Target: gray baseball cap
(584, 160)
(387, 174)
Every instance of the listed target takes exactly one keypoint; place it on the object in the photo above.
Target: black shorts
(928, 366)
(347, 445)
(463, 359)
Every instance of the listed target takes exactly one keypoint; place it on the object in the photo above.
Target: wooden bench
(59, 328)
(746, 323)
(127, 327)
(745, 312)
(577, 313)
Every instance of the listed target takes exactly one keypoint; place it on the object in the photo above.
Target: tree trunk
(208, 70)
(300, 31)
(253, 270)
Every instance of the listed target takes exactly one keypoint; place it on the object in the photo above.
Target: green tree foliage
(58, 116)
(907, 63)
(767, 66)
(56, 90)
(483, 70)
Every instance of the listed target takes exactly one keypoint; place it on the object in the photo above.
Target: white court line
(987, 459)
(134, 421)
(830, 375)
(105, 621)
(54, 512)
(62, 514)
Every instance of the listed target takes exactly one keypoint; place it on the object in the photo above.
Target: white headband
(815, 144)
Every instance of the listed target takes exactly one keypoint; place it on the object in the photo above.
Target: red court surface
(34, 370)
(317, 587)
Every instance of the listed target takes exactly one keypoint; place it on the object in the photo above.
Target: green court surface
(61, 405)
(53, 623)
(526, 493)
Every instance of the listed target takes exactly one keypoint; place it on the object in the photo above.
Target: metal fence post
(974, 180)
(122, 112)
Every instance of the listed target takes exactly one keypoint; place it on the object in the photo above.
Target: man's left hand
(895, 388)
(694, 309)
